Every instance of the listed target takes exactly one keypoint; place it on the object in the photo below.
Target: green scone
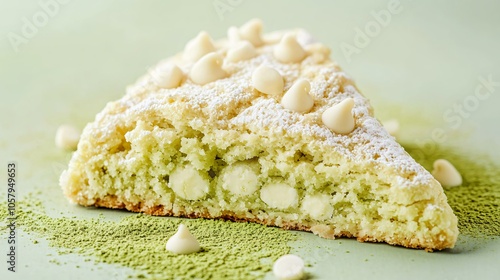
(261, 128)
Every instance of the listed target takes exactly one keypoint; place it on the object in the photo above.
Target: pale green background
(427, 58)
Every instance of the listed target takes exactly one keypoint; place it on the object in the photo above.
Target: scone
(259, 128)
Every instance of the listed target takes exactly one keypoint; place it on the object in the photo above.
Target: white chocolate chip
(183, 242)
(279, 195)
(446, 173)
(240, 179)
(267, 80)
(289, 267)
(318, 52)
(288, 50)
(304, 37)
(251, 31)
(339, 118)
(297, 98)
(198, 47)
(392, 126)
(233, 34)
(187, 183)
(167, 76)
(67, 137)
(207, 69)
(317, 206)
(242, 51)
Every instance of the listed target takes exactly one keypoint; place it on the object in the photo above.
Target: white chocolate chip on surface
(288, 50)
(187, 183)
(207, 69)
(198, 47)
(167, 76)
(251, 31)
(446, 173)
(289, 267)
(183, 242)
(392, 126)
(241, 51)
(267, 80)
(67, 137)
(339, 118)
(279, 195)
(297, 98)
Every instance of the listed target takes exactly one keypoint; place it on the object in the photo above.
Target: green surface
(425, 63)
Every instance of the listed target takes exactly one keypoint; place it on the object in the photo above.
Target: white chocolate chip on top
(207, 69)
(251, 31)
(446, 173)
(67, 137)
(267, 80)
(198, 47)
(241, 51)
(297, 98)
(233, 34)
(288, 50)
(339, 118)
(183, 242)
(319, 52)
(289, 267)
(392, 126)
(304, 37)
(279, 195)
(167, 76)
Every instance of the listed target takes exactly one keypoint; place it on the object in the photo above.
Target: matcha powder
(476, 202)
(229, 250)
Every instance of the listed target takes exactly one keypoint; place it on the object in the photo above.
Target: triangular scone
(220, 148)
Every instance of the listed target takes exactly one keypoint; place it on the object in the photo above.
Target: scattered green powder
(237, 250)
(229, 250)
(477, 201)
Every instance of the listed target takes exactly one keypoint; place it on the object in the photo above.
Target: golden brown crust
(324, 231)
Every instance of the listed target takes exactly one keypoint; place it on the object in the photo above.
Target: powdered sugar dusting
(232, 102)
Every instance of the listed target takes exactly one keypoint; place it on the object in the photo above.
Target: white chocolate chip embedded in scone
(318, 207)
(279, 195)
(241, 179)
(189, 183)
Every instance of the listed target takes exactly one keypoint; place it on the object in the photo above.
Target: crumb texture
(226, 150)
